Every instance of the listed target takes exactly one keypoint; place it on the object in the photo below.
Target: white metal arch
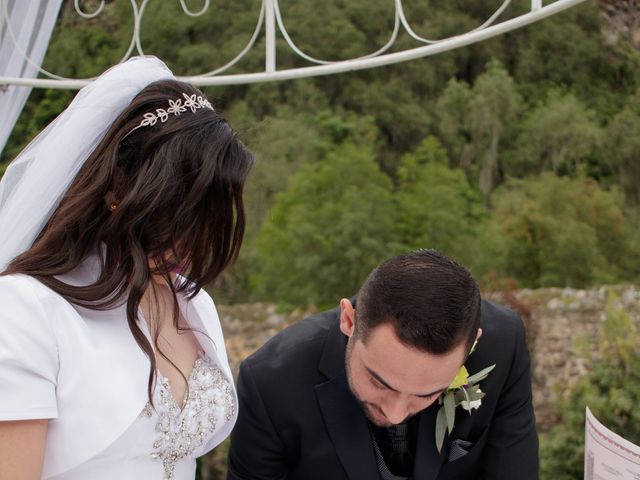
(271, 19)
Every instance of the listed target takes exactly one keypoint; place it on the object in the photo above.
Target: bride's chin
(161, 281)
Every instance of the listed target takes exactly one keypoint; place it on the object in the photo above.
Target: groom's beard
(367, 407)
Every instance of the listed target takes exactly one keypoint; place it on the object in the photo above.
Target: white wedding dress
(163, 443)
(82, 370)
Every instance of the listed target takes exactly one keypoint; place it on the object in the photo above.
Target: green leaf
(441, 428)
(475, 394)
(466, 394)
(449, 410)
(481, 375)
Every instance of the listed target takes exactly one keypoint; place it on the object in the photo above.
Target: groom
(352, 393)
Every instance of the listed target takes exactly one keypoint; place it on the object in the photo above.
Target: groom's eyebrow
(380, 379)
(384, 382)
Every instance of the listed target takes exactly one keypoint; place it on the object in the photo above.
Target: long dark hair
(176, 186)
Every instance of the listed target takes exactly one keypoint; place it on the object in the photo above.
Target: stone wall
(560, 324)
(563, 326)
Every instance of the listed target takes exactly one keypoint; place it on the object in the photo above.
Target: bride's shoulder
(20, 285)
(23, 285)
(22, 295)
(17, 280)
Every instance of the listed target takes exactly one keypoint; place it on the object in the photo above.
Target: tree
(282, 144)
(494, 105)
(568, 51)
(539, 105)
(565, 232)
(623, 149)
(560, 134)
(474, 122)
(437, 208)
(452, 110)
(401, 116)
(326, 231)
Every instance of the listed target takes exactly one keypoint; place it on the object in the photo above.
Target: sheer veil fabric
(36, 180)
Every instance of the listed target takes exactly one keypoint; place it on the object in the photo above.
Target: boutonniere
(464, 391)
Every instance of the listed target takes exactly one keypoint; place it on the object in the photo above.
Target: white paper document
(608, 456)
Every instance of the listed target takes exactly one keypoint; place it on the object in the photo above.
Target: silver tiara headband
(176, 107)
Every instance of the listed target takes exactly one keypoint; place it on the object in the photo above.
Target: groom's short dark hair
(432, 302)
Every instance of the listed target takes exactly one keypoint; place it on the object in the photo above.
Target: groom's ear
(347, 317)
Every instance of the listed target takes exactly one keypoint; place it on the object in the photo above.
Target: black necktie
(400, 459)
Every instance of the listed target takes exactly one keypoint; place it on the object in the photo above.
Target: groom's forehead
(404, 367)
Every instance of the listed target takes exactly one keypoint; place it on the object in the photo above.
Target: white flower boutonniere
(464, 391)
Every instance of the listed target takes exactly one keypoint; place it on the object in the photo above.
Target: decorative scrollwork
(271, 21)
(88, 15)
(190, 13)
(309, 58)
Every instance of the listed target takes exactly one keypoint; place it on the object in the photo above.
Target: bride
(112, 359)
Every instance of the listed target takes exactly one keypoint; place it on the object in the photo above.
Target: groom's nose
(397, 410)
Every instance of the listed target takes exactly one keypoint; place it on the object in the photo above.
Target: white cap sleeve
(28, 351)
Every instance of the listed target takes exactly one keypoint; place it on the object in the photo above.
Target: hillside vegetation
(519, 155)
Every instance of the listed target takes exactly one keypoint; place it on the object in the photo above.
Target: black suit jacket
(299, 420)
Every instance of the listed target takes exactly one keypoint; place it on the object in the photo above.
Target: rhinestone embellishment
(176, 107)
(180, 432)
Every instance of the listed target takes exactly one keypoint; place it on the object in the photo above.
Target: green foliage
(283, 144)
(565, 51)
(494, 105)
(563, 231)
(475, 122)
(326, 231)
(212, 39)
(400, 115)
(437, 208)
(623, 148)
(611, 390)
(335, 30)
(551, 97)
(452, 108)
(558, 135)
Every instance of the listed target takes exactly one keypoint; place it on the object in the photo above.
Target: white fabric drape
(31, 23)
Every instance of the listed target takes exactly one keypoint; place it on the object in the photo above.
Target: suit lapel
(343, 417)
(428, 460)
(347, 428)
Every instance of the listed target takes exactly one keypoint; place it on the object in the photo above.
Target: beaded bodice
(181, 431)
